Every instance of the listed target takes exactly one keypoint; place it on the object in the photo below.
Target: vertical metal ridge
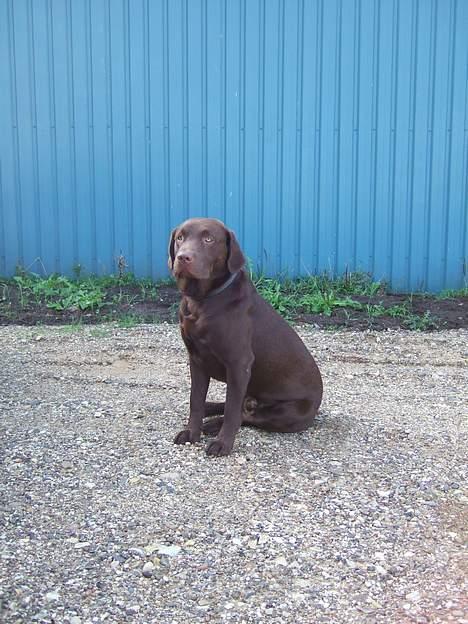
(393, 124)
(110, 133)
(429, 152)
(53, 134)
(337, 132)
(147, 108)
(34, 139)
(204, 79)
(355, 141)
(318, 132)
(185, 115)
(223, 106)
(448, 134)
(91, 155)
(128, 130)
(279, 143)
(242, 98)
(464, 189)
(72, 134)
(411, 139)
(14, 108)
(2, 227)
(374, 131)
(299, 121)
(261, 134)
(166, 116)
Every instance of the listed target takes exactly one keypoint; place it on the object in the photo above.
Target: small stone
(384, 493)
(132, 609)
(52, 596)
(281, 561)
(381, 570)
(414, 596)
(137, 552)
(300, 582)
(148, 569)
(169, 551)
(75, 620)
(170, 477)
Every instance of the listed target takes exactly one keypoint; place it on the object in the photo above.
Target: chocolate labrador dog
(235, 336)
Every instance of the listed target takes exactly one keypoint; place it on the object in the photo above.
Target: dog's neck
(200, 289)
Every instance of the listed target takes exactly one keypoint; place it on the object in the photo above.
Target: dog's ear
(235, 258)
(170, 251)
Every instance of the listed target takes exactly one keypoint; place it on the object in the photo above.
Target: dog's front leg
(198, 391)
(237, 379)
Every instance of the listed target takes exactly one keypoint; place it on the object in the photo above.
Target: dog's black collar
(226, 284)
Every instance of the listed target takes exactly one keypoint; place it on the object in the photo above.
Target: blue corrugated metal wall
(330, 134)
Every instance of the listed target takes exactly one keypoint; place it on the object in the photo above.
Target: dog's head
(204, 249)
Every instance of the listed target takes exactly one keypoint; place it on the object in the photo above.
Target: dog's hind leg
(213, 409)
(212, 427)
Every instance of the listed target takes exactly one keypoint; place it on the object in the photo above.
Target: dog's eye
(208, 239)
(180, 238)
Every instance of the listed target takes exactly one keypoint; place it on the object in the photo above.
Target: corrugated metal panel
(330, 134)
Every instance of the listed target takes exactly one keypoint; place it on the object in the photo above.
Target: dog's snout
(184, 257)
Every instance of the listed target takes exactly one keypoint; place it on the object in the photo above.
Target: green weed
(276, 295)
(326, 302)
(130, 320)
(453, 294)
(417, 322)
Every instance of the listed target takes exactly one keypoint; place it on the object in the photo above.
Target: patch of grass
(416, 322)
(401, 310)
(124, 298)
(374, 310)
(276, 294)
(453, 294)
(148, 289)
(61, 293)
(130, 320)
(100, 332)
(174, 312)
(325, 302)
(317, 294)
(71, 328)
(57, 292)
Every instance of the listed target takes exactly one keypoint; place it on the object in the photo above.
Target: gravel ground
(102, 519)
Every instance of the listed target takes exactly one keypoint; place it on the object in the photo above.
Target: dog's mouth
(187, 271)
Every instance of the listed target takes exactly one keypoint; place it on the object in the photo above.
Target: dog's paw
(218, 448)
(186, 436)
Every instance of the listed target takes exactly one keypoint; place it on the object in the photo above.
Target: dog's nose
(184, 257)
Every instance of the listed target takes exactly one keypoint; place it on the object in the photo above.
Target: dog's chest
(193, 327)
(195, 334)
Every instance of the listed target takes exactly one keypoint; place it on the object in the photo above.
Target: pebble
(414, 596)
(52, 596)
(148, 569)
(138, 552)
(169, 551)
